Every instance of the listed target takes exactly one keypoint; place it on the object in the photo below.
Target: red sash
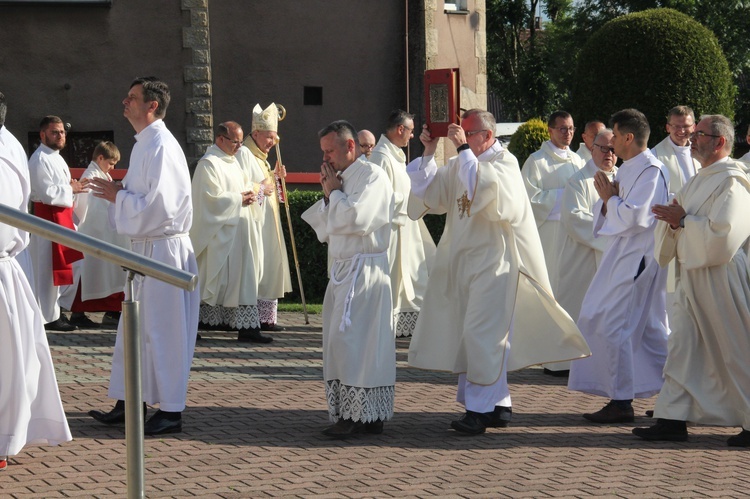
(62, 256)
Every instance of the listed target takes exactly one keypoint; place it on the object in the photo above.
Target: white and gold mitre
(265, 120)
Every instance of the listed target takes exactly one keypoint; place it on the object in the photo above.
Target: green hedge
(528, 139)
(652, 60)
(313, 255)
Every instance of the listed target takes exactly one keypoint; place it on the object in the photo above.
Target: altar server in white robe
(97, 285)
(153, 207)
(488, 287)
(354, 218)
(623, 316)
(580, 251)
(275, 279)
(707, 374)
(226, 238)
(31, 411)
(411, 245)
(53, 194)
(18, 155)
(590, 131)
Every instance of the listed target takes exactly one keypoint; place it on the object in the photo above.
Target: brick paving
(252, 429)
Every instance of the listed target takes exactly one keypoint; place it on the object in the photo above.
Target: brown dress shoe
(611, 413)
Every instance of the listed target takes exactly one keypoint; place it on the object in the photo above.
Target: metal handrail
(98, 248)
(133, 263)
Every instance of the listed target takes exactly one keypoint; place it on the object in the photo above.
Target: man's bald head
(366, 142)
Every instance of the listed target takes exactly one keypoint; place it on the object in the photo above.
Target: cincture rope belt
(148, 250)
(354, 270)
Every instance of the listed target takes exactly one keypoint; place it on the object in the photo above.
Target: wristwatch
(462, 147)
(682, 221)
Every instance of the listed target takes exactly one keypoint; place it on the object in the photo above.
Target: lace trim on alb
(359, 404)
(405, 323)
(242, 317)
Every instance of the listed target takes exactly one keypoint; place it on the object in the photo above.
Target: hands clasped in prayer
(329, 179)
(670, 213)
(79, 186)
(605, 188)
(105, 189)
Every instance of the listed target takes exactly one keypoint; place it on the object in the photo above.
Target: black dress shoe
(116, 415)
(669, 430)
(266, 326)
(564, 373)
(345, 428)
(611, 414)
(501, 417)
(61, 324)
(374, 428)
(162, 423)
(741, 440)
(81, 321)
(111, 319)
(473, 423)
(252, 336)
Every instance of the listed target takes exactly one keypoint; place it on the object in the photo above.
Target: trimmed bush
(652, 60)
(528, 139)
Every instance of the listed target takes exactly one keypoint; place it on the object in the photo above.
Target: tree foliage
(648, 52)
(527, 139)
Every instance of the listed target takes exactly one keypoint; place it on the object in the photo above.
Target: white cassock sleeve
(51, 187)
(577, 217)
(629, 217)
(213, 207)
(422, 172)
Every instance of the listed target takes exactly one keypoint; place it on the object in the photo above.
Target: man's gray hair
(604, 131)
(486, 119)
(722, 126)
(397, 118)
(342, 128)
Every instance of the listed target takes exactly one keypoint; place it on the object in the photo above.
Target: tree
(652, 60)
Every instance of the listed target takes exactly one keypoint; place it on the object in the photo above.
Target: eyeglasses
(367, 146)
(474, 132)
(681, 127)
(407, 128)
(606, 149)
(565, 129)
(703, 134)
(234, 142)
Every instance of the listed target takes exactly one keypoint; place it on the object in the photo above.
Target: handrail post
(133, 392)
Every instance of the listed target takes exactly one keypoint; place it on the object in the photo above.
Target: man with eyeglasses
(674, 150)
(226, 237)
(411, 246)
(623, 315)
(53, 195)
(545, 173)
(585, 148)
(707, 373)
(580, 251)
(488, 287)
(275, 278)
(366, 142)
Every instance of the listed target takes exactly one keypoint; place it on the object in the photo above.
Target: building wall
(78, 61)
(268, 52)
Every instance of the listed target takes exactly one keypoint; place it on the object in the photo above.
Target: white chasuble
(155, 210)
(275, 279)
(411, 246)
(31, 411)
(488, 272)
(359, 354)
(707, 374)
(225, 234)
(544, 175)
(623, 316)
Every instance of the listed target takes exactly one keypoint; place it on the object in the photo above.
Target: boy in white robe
(707, 374)
(623, 316)
(30, 408)
(97, 285)
(153, 207)
(488, 287)
(354, 218)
